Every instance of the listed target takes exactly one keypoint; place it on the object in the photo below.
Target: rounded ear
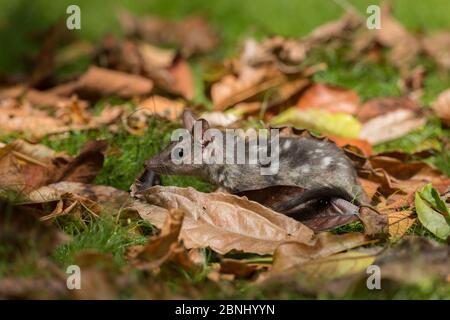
(188, 119)
(205, 124)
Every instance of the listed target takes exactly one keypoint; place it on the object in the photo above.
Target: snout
(157, 165)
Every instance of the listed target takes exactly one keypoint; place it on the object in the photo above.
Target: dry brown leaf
(370, 187)
(400, 222)
(33, 288)
(375, 224)
(290, 255)
(163, 248)
(442, 106)
(415, 260)
(437, 46)
(221, 221)
(339, 29)
(21, 228)
(404, 46)
(398, 175)
(362, 145)
(391, 126)
(255, 71)
(84, 167)
(23, 118)
(382, 105)
(27, 166)
(329, 98)
(192, 35)
(99, 82)
(240, 268)
(103, 195)
(312, 267)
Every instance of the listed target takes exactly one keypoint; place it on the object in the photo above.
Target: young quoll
(316, 165)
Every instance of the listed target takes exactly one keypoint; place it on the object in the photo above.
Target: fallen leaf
(391, 126)
(414, 260)
(430, 194)
(431, 219)
(375, 224)
(329, 98)
(363, 145)
(163, 248)
(382, 105)
(442, 106)
(437, 46)
(239, 268)
(400, 222)
(84, 167)
(106, 196)
(291, 255)
(163, 107)
(192, 35)
(404, 46)
(339, 29)
(28, 166)
(221, 221)
(338, 124)
(99, 82)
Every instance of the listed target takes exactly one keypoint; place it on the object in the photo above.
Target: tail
(315, 194)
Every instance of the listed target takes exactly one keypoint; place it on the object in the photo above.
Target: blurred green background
(234, 19)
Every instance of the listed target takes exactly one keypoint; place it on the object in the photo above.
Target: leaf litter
(253, 235)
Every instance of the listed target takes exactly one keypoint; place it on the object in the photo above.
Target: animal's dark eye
(180, 153)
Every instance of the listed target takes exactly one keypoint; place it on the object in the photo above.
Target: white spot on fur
(305, 169)
(287, 144)
(326, 161)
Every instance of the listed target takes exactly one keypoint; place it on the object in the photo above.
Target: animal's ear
(203, 125)
(188, 120)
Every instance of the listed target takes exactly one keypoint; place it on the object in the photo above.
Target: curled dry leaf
(329, 98)
(256, 71)
(362, 145)
(404, 46)
(18, 117)
(397, 175)
(137, 122)
(39, 98)
(391, 126)
(312, 267)
(388, 118)
(437, 46)
(339, 29)
(442, 106)
(221, 221)
(290, 255)
(27, 166)
(99, 82)
(106, 196)
(415, 260)
(33, 288)
(192, 35)
(38, 118)
(382, 105)
(20, 227)
(400, 222)
(374, 223)
(164, 247)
